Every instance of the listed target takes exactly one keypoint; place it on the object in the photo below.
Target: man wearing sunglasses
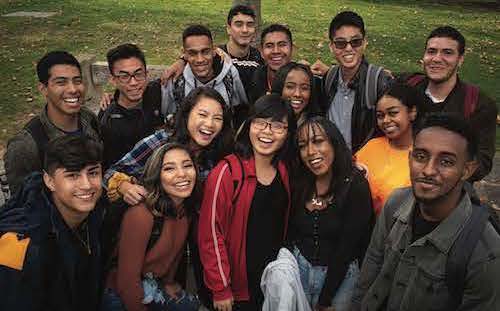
(61, 85)
(134, 112)
(352, 87)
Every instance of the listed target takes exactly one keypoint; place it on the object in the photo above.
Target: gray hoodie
(228, 75)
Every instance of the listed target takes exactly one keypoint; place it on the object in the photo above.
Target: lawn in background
(396, 31)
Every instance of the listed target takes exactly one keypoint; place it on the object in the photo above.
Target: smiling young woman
(245, 207)
(385, 158)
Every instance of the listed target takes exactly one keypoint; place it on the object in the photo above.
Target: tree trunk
(255, 5)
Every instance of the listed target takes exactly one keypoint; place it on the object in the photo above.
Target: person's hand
(105, 101)
(319, 68)
(173, 71)
(173, 289)
(132, 194)
(224, 305)
(304, 62)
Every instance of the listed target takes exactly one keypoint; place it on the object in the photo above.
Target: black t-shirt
(265, 227)
(420, 226)
(246, 65)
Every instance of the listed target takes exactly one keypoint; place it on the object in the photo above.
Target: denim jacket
(400, 275)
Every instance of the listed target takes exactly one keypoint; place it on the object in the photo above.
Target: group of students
(208, 175)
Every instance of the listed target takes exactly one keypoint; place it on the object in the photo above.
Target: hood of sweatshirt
(221, 66)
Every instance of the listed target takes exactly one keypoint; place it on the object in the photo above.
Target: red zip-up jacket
(222, 229)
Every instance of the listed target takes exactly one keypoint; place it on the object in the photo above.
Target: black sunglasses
(342, 43)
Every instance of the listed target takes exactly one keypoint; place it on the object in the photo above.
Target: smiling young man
(241, 28)
(433, 248)
(440, 89)
(352, 88)
(49, 232)
(204, 68)
(276, 47)
(134, 112)
(60, 82)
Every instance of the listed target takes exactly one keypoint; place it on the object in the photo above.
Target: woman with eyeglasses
(331, 218)
(294, 82)
(245, 207)
(153, 235)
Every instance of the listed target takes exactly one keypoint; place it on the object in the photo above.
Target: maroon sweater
(134, 260)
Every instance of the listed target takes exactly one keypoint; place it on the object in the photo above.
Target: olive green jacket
(400, 275)
(22, 157)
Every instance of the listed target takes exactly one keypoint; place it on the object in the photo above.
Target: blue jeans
(154, 297)
(313, 278)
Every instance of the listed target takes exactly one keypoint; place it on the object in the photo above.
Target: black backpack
(461, 251)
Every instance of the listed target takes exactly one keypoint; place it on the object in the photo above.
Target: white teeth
(182, 184)
(296, 101)
(206, 132)
(390, 128)
(349, 57)
(84, 196)
(315, 161)
(71, 100)
(265, 140)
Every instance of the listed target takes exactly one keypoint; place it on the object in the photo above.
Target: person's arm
(132, 164)
(481, 291)
(483, 121)
(173, 71)
(21, 159)
(357, 226)
(213, 221)
(134, 236)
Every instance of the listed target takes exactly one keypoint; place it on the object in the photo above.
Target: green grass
(396, 32)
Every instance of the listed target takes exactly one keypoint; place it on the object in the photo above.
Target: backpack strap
(330, 77)
(237, 172)
(371, 85)
(37, 131)
(471, 99)
(415, 79)
(461, 252)
(228, 84)
(178, 93)
(151, 99)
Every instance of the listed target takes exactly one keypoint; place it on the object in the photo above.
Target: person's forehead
(197, 42)
(442, 43)
(86, 168)
(276, 36)
(242, 18)
(63, 70)
(132, 63)
(348, 31)
(440, 140)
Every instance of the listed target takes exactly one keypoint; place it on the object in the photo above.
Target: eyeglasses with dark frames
(275, 126)
(125, 77)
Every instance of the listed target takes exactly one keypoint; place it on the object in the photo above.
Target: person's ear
(42, 88)
(49, 181)
(469, 169)
(412, 113)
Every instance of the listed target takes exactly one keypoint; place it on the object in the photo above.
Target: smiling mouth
(206, 133)
(316, 162)
(296, 103)
(182, 185)
(265, 140)
(85, 196)
(72, 100)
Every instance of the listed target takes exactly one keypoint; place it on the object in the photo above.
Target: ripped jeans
(313, 278)
(155, 297)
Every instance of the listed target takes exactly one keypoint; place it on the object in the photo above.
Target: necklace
(320, 203)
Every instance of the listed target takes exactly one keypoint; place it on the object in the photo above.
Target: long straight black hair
(305, 182)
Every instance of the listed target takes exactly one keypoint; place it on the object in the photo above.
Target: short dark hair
(268, 106)
(276, 28)
(124, 51)
(346, 18)
(222, 143)
(72, 152)
(452, 122)
(448, 32)
(239, 9)
(279, 84)
(406, 94)
(196, 30)
(51, 59)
